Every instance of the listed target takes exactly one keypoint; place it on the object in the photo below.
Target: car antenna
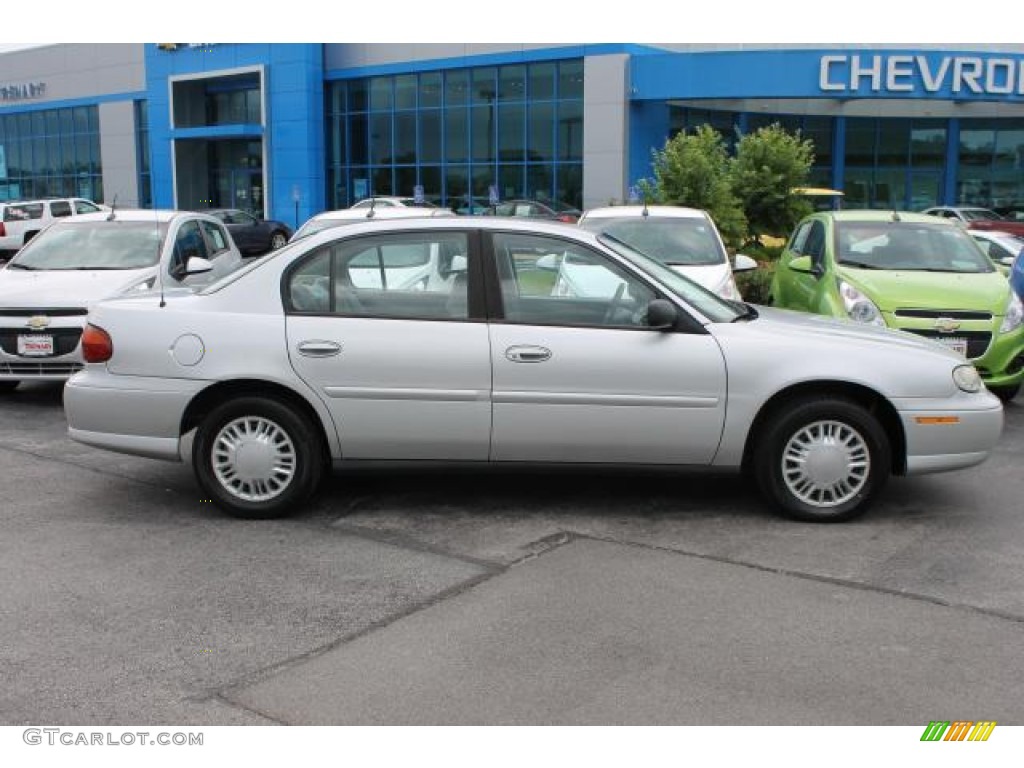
(645, 213)
(373, 202)
(159, 262)
(113, 207)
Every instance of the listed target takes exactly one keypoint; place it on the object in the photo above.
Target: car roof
(383, 213)
(878, 215)
(131, 214)
(450, 221)
(657, 211)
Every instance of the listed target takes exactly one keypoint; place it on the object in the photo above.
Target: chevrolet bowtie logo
(946, 324)
(38, 322)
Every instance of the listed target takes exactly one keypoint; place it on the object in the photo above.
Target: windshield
(979, 214)
(708, 304)
(910, 246)
(672, 241)
(94, 245)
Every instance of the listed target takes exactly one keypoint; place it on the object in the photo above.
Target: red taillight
(96, 344)
(3, 232)
(567, 218)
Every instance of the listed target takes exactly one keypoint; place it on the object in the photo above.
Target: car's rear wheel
(256, 457)
(8, 386)
(1006, 394)
(277, 240)
(822, 460)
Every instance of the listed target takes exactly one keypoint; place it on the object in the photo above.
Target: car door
(579, 377)
(402, 360)
(805, 288)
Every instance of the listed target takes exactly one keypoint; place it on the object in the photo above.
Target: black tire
(849, 474)
(277, 239)
(286, 433)
(1006, 394)
(8, 386)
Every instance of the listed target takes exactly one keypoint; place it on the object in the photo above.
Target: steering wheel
(613, 307)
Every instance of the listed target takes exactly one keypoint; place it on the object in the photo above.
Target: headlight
(728, 290)
(858, 306)
(142, 285)
(1014, 314)
(966, 377)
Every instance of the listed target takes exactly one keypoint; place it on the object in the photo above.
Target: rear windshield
(908, 246)
(671, 241)
(23, 212)
(94, 245)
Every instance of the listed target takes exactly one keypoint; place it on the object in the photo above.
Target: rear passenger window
(218, 240)
(84, 206)
(23, 212)
(60, 208)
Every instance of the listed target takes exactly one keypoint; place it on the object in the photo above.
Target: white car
(684, 239)
(1001, 247)
(47, 288)
(266, 391)
(21, 220)
(357, 214)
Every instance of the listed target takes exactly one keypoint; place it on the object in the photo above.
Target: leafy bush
(756, 284)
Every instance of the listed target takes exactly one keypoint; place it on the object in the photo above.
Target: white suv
(21, 220)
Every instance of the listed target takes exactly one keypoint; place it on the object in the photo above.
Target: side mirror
(197, 265)
(743, 263)
(549, 262)
(661, 315)
(804, 265)
(459, 263)
(1007, 261)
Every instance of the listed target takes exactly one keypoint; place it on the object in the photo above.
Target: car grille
(39, 369)
(64, 339)
(27, 312)
(933, 314)
(977, 341)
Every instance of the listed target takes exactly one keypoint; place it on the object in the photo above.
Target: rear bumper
(128, 414)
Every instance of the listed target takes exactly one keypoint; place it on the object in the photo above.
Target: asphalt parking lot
(498, 597)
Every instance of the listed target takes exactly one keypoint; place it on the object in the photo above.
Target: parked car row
(412, 335)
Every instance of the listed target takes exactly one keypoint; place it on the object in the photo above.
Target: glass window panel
(819, 131)
(976, 147)
(893, 142)
(430, 136)
(53, 156)
(484, 88)
(405, 180)
(570, 79)
(94, 153)
(860, 141)
(1009, 149)
(430, 89)
(405, 92)
(82, 153)
(336, 142)
(483, 133)
(512, 132)
(512, 83)
(569, 184)
(456, 87)
(405, 137)
(38, 124)
(81, 119)
(52, 122)
(570, 130)
(540, 139)
(456, 135)
(539, 181)
(382, 181)
(381, 93)
(336, 99)
(25, 123)
(928, 147)
(483, 178)
(542, 80)
(456, 183)
(38, 156)
(380, 138)
(359, 139)
(430, 178)
(358, 96)
(510, 181)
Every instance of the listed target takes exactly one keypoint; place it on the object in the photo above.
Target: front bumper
(128, 414)
(950, 433)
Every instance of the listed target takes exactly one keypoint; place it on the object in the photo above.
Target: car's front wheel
(822, 459)
(257, 457)
(277, 240)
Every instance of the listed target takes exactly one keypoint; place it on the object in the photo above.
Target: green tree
(693, 169)
(769, 164)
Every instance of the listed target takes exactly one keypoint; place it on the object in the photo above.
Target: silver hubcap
(253, 459)
(826, 463)
(277, 241)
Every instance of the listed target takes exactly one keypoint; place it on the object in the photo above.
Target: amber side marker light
(97, 346)
(937, 419)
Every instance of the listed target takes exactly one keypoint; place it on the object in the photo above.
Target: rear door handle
(527, 354)
(319, 348)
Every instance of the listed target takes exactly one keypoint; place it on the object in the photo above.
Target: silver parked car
(300, 360)
(47, 289)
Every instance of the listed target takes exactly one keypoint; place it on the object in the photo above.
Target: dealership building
(287, 130)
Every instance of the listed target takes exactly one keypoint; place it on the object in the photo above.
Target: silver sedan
(444, 340)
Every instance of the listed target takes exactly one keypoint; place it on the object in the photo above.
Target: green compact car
(911, 272)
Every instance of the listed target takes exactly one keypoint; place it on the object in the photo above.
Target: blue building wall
(294, 109)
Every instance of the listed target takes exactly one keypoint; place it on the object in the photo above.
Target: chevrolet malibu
(296, 363)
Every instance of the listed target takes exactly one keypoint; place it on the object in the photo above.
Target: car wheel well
(863, 396)
(216, 394)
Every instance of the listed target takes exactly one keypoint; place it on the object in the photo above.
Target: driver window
(815, 245)
(188, 243)
(547, 281)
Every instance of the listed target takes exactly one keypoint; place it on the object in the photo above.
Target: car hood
(710, 276)
(833, 331)
(63, 288)
(908, 289)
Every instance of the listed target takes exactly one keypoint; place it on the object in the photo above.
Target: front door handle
(527, 354)
(318, 348)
